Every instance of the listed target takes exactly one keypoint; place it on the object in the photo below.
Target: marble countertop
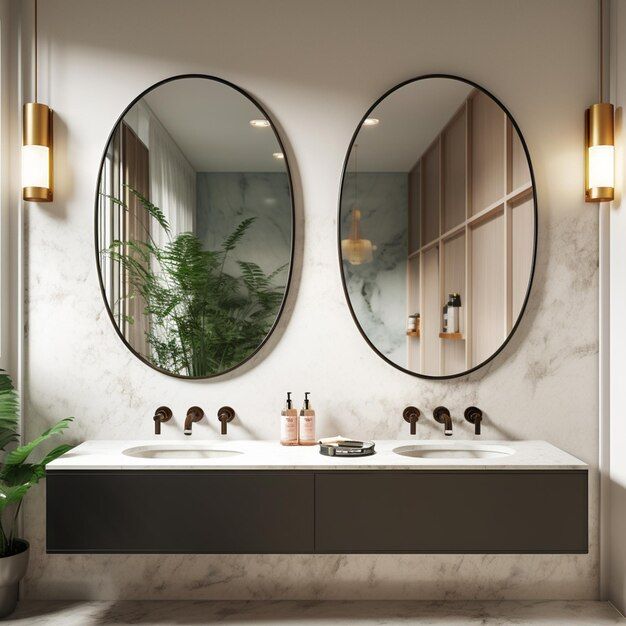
(270, 455)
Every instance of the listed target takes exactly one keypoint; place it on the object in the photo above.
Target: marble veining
(526, 613)
(225, 199)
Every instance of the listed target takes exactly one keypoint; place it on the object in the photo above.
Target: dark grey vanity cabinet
(451, 512)
(180, 511)
(234, 512)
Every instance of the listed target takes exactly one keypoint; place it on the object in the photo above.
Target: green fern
(202, 320)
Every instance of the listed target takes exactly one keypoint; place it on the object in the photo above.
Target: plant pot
(12, 570)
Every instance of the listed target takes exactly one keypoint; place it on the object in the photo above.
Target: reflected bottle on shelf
(454, 312)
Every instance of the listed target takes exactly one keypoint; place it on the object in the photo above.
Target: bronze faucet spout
(194, 414)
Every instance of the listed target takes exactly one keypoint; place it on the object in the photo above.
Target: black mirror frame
(266, 115)
(534, 257)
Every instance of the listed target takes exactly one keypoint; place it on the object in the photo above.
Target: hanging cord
(601, 39)
(356, 173)
(35, 50)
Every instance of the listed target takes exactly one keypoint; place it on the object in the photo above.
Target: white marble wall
(316, 66)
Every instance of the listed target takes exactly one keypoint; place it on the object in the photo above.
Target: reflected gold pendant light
(599, 139)
(354, 249)
(37, 179)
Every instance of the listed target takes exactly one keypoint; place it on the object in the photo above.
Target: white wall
(615, 509)
(316, 66)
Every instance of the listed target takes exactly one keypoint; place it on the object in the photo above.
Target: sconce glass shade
(354, 249)
(37, 180)
(599, 153)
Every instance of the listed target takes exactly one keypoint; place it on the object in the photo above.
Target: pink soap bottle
(306, 426)
(289, 424)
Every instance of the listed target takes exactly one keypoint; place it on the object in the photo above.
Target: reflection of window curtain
(172, 180)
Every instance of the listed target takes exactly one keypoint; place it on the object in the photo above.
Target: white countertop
(270, 455)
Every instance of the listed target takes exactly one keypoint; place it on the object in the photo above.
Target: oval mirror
(194, 226)
(437, 226)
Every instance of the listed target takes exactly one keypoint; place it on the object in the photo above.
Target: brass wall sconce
(599, 138)
(37, 169)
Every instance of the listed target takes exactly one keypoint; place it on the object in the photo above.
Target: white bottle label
(307, 428)
(453, 319)
(288, 427)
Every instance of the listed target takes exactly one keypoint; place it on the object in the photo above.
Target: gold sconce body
(37, 144)
(599, 153)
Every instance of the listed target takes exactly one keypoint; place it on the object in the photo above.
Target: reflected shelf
(455, 336)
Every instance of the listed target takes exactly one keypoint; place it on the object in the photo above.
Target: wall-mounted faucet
(442, 415)
(474, 416)
(162, 414)
(194, 414)
(225, 415)
(411, 414)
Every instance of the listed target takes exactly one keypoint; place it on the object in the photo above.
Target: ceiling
(410, 118)
(210, 123)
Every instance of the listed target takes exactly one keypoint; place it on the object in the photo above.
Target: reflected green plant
(201, 320)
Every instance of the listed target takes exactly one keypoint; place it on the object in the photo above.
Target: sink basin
(178, 452)
(452, 451)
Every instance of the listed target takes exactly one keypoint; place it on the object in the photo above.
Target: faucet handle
(442, 415)
(225, 415)
(474, 416)
(411, 415)
(162, 414)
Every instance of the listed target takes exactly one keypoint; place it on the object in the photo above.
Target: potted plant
(17, 476)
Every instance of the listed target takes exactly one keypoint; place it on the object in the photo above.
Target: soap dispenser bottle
(306, 426)
(289, 424)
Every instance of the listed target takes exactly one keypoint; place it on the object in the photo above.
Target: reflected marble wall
(224, 199)
(378, 289)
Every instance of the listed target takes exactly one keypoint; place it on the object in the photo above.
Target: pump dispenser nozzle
(289, 399)
(306, 400)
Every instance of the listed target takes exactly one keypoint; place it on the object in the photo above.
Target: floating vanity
(260, 497)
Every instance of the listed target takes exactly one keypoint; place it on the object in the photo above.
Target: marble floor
(283, 613)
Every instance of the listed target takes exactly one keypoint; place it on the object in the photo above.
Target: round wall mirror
(194, 226)
(437, 226)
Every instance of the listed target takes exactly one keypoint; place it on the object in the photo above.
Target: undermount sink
(452, 451)
(178, 452)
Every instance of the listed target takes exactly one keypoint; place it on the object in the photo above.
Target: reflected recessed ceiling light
(278, 155)
(259, 123)
(371, 121)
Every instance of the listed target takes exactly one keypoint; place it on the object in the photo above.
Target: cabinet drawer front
(451, 512)
(187, 511)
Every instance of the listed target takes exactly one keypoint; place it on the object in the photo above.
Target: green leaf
(12, 494)
(153, 210)
(20, 454)
(233, 239)
(14, 475)
(56, 453)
